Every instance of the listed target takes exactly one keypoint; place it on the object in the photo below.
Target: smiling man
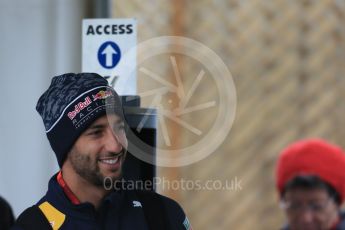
(86, 128)
(310, 178)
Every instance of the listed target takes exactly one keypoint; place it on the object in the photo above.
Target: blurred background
(286, 59)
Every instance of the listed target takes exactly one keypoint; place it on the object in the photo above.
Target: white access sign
(109, 50)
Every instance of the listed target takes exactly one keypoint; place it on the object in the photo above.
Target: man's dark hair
(309, 182)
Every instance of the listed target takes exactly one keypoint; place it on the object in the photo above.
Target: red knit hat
(312, 157)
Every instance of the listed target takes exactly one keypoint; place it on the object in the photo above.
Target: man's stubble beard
(89, 170)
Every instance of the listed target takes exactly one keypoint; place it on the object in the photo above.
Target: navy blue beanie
(71, 104)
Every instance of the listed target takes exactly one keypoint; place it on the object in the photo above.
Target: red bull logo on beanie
(102, 95)
(79, 107)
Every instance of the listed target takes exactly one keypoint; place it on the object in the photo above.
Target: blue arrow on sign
(109, 54)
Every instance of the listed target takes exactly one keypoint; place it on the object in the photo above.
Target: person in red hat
(310, 179)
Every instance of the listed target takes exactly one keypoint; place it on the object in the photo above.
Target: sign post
(106, 43)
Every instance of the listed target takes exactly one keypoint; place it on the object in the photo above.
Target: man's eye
(294, 206)
(316, 207)
(95, 133)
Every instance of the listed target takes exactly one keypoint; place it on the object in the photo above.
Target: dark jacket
(6, 215)
(119, 210)
(340, 225)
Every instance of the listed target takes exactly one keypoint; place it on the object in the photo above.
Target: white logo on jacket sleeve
(136, 204)
(186, 224)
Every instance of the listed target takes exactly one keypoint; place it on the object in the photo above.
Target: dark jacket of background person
(340, 225)
(6, 215)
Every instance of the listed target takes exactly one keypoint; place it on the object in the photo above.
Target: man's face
(310, 209)
(100, 150)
